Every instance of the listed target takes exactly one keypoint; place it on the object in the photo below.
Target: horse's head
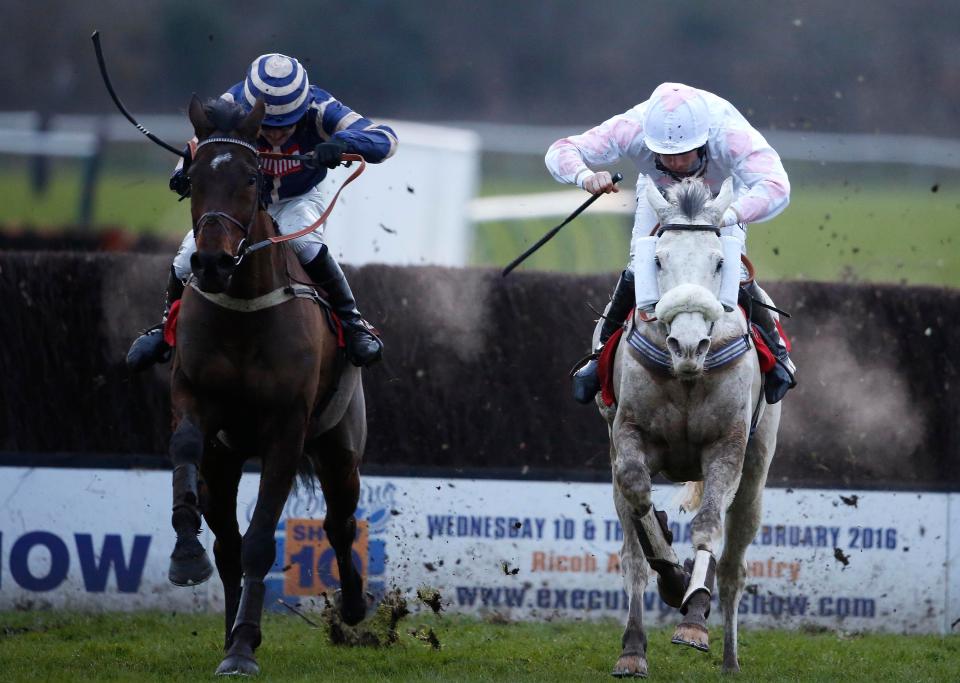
(689, 264)
(225, 186)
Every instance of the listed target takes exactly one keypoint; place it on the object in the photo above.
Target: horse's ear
(249, 127)
(198, 117)
(655, 199)
(724, 198)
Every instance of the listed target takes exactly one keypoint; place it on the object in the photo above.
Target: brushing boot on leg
(363, 347)
(586, 382)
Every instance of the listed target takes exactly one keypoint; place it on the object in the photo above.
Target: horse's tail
(690, 496)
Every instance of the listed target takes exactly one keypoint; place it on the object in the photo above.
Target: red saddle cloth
(605, 362)
(170, 326)
(605, 366)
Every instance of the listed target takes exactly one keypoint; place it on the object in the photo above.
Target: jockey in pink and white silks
(679, 132)
(300, 118)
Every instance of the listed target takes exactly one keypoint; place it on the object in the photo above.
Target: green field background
(150, 646)
(894, 224)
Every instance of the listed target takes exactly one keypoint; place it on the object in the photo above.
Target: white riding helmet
(282, 83)
(677, 120)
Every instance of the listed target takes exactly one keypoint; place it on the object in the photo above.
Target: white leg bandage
(704, 569)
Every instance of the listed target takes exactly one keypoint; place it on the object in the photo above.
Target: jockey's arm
(570, 160)
(336, 121)
(764, 188)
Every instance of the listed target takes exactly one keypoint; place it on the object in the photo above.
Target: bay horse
(254, 357)
(689, 405)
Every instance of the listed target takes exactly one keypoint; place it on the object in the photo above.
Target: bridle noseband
(217, 217)
(678, 227)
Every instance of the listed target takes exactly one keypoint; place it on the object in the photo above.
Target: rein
(217, 216)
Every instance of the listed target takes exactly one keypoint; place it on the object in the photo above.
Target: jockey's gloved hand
(328, 154)
(180, 183)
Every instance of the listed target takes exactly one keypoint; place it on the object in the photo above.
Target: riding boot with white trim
(586, 382)
(150, 348)
(363, 347)
(782, 377)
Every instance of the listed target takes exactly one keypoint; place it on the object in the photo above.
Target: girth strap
(275, 298)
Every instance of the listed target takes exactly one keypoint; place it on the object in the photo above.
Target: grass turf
(50, 645)
(876, 231)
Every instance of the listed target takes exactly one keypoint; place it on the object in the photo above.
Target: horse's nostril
(673, 345)
(703, 346)
(225, 261)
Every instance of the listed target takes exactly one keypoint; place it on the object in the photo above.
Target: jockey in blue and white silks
(680, 131)
(300, 118)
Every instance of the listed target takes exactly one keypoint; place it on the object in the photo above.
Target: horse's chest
(243, 376)
(683, 428)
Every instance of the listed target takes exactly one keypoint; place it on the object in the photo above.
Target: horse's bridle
(659, 230)
(217, 217)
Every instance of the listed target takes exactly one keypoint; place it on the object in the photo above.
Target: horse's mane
(690, 197)
(223, 114)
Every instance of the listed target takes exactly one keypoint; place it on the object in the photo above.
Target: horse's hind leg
(337, 465)
(188, 562)
(221, 471)
(741, 525)
(722, 463)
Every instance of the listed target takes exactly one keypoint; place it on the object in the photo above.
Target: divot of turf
(431, 598)
(380, 630)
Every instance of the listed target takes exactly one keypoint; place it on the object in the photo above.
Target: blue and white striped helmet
(282, 83)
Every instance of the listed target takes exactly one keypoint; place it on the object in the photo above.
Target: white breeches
(291, 215)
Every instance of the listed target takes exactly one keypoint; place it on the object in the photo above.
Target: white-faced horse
(688, 387)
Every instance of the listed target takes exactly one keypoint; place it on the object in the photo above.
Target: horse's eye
(252, 180)
(656, 260)
(719, 265)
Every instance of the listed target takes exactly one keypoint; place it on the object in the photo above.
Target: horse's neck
(264, 270)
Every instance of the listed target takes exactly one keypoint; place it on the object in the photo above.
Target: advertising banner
(856, 560)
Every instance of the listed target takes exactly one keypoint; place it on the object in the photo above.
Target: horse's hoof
(353, 610)
(694, 635)
(238, 665)
(190, 571)
(630, 666)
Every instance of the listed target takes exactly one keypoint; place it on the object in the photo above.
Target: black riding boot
(586, 383)
(363, 347)
(149, 348)
(781, 378)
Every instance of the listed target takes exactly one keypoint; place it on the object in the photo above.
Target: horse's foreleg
(632, 661)
(221, 471)
(722, 463)
(258, 548)
(740, 528)
(188, 562)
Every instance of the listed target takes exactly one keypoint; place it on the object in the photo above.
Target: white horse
(688, 387)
